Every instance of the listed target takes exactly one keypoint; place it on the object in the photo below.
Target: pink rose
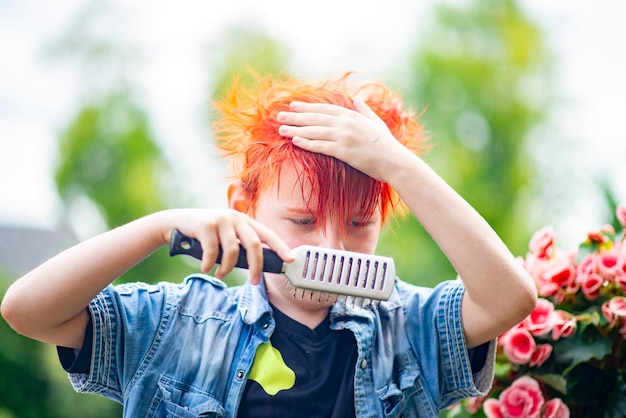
(539, 322)
(564, 324)
(540, 355)
(591, 285)
(561, 272)
(555, 408)
(609, 314)
(518, 345)
(620, 212)
(620, 270)
(523, 399)
(542, 242)
(607, 264)
(617, 305)
(588, 265)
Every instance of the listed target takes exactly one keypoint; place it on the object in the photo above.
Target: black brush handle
(182, 244)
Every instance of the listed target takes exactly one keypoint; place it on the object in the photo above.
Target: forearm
(54, 295)
(497, 286)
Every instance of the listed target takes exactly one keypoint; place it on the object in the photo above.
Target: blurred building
(23, 248)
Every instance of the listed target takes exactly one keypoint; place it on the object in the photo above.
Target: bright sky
(39, 95)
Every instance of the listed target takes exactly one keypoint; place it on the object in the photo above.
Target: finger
(274, 242)
(362, 107)
(320, 147)
(327, 108)
(230, 250)
(251, 241)
(305, 119)
(309, 132)
(210, 245)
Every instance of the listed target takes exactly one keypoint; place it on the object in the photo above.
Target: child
(322, 163)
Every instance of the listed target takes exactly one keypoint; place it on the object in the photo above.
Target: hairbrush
(318, 274)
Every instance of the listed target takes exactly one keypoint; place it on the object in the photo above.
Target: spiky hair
(246, 131)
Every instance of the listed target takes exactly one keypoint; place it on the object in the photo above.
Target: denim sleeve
(458, 379)
(127, 321)
(436, 334)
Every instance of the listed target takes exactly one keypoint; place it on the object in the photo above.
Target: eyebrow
(305, 211)
(300, 211)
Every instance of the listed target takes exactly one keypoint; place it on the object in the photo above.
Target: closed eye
(303, 221)
(359, 223)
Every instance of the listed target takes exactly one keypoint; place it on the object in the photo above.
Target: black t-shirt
(315, 368)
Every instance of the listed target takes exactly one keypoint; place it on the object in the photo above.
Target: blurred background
(105, 112)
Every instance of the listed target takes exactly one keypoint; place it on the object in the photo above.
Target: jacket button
(240, 374)
(363, 363)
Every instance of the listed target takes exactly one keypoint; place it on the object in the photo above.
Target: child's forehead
(290, 185)
(298, 194)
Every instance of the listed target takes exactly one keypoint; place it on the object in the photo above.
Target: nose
(331, 237)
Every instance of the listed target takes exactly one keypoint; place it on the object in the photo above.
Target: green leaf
(585, 249)
(586, 344)
(555, 381)
(502, 370)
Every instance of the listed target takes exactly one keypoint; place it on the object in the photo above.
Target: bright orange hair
(246, 131)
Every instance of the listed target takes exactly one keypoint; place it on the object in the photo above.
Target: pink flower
(592, 285)
(609, 314)
(540, 355)
(523, 399)
(555, 408)
(561, 272)
(586, 266)
(617, 305)
(539, 322)
(518, 345)
(620, 212)
(620, 269)
(542, 242)
(607, 264)
(564, 324)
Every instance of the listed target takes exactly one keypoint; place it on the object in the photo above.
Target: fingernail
(281, 116)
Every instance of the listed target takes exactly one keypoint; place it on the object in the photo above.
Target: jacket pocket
(404, 395)
(181, 400)
(408, 402)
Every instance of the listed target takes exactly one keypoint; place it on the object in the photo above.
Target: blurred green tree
(108, 156)
(244, 49)
(31, 388)
(481, 75)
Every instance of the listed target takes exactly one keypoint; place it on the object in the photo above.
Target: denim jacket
(185, 350)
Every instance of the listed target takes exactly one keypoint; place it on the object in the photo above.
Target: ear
(237, 197)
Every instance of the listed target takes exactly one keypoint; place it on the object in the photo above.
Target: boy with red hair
(321, 163)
